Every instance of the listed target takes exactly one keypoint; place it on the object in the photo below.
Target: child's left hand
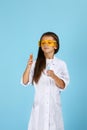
(50, 73)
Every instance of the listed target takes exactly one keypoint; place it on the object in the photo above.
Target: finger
(31, 57)
(48, 72)
(30, 61)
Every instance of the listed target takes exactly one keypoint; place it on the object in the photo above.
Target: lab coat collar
(53, 60)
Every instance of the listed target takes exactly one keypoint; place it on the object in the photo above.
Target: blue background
(22, 22)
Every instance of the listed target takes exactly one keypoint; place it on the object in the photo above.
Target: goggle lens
(48, 42)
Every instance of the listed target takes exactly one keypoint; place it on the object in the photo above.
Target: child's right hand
(30, 61)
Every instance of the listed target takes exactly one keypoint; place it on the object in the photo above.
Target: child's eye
(43, 43)
(49, 42)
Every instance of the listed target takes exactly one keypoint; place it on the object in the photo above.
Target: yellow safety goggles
(48, 42)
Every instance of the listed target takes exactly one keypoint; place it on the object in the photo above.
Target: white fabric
(46, 112)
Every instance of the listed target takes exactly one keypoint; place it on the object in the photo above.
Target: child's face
(48, 44)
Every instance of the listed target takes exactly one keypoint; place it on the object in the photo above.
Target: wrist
(53, 75)
(28, 67)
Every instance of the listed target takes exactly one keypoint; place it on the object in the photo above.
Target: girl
(49, 75)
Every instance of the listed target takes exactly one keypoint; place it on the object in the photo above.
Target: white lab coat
(46, 112)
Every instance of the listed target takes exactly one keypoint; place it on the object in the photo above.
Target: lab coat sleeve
(30, 76)
(63, 74)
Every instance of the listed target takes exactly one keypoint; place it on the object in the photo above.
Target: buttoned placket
(47, 96)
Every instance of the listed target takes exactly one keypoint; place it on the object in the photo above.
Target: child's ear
(55, 47)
